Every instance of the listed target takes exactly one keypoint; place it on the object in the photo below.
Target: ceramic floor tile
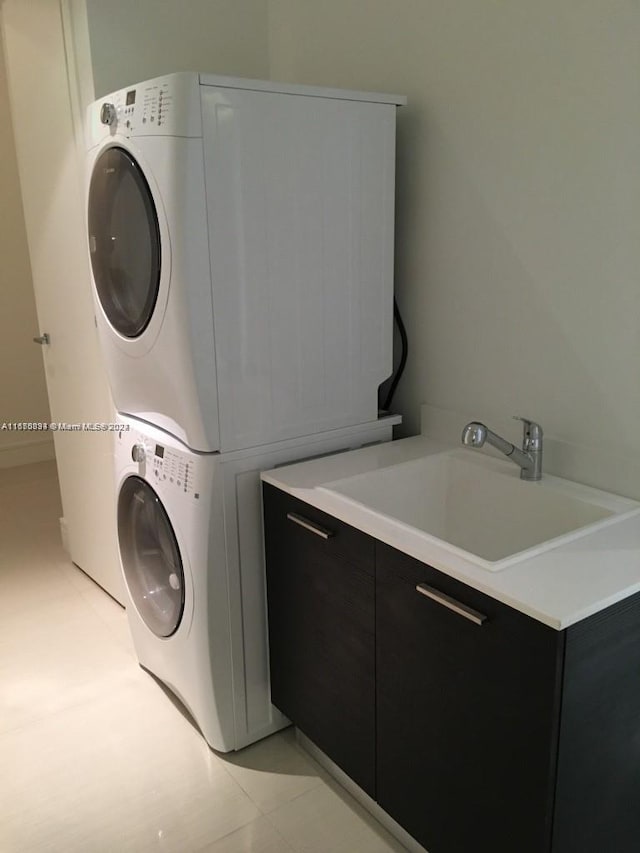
(104, 605)
(78, 579)
(29, 580)
(274, 771)
(54, 656)
(259, 836)
(34, 475)
(108, 610)
(126, 772)
(32, 561)
(25, 514)
(328, 820)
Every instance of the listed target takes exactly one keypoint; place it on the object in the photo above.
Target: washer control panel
(162, 465)
(173, 469)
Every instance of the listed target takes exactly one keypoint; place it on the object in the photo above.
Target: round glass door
(150, 557)
(124, 241)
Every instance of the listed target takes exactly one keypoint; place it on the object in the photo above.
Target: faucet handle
(531, 435)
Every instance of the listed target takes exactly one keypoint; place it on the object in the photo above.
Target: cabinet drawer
(301, 523)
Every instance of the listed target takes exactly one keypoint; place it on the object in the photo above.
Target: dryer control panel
(164, 106)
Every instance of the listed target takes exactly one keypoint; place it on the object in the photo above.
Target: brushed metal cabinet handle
(451, 603)
(309, 525)
(42, 339)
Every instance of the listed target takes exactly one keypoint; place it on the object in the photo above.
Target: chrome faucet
(529, 458)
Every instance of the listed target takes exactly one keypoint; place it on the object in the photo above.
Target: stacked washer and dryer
(241, 243)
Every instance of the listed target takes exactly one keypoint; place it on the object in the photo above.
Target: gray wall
(518, 239)
(133, 41)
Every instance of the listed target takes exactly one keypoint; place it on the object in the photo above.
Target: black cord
(403, 358)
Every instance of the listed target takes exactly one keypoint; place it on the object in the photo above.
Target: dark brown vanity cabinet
(321, 594)
(474, 726)
(467, 703)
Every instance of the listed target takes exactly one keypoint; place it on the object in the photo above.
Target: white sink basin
(480, 508)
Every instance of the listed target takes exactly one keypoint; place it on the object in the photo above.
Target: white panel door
(53, 198)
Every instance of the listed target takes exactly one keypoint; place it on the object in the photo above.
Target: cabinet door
(321, 630)
(467, 714)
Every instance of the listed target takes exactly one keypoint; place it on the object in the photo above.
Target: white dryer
(190, 537)
(241, 242)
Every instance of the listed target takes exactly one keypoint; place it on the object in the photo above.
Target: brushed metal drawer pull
(446, 600)
(309, 525)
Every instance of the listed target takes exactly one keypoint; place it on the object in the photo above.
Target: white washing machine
(190, 537)
(241, 242)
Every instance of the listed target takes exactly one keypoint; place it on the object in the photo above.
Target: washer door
(150, 557)
(124, 241)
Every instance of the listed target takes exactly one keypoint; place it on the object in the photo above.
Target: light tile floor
(95, 756)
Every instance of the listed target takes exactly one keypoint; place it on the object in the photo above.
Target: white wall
(23, 394)
(131, 42)
(518, 237)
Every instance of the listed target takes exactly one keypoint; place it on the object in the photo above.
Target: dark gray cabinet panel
(321, 631)
(466, 714)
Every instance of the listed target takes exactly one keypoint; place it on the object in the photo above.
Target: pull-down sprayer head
(474, 434)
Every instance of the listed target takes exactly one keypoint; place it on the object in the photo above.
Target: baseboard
(26, 452)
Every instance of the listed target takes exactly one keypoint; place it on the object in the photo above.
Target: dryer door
(150, 557)
(124, 241)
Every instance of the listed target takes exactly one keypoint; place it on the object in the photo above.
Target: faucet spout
(475, 434)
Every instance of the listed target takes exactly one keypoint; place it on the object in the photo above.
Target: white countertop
(558, 587)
